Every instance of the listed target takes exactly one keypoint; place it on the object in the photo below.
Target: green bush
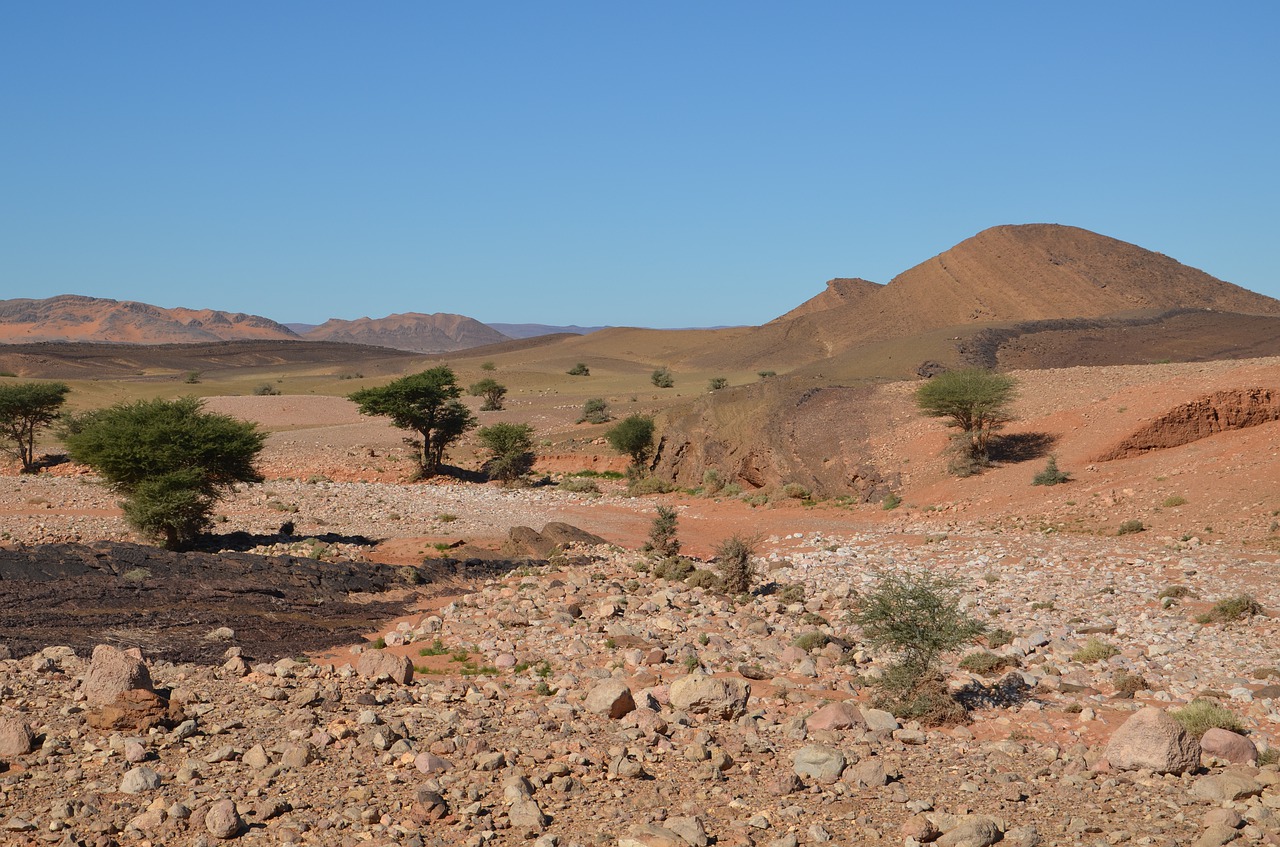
(662, 534)
(717, 382)
(633, 436)
(1130, 526)
(488, 366)
(579, 485)
(1199, 716)
(510, 449)
(266, 390)
(596, 411)
(810, 641)
(1232, 609)
(674, 568)
(170, 460)
(647, 485)
(1051, 475)
(736, 573)
(1174, 501)
(986, 663)
(492, 391)
(795, 491)
(579, 369)
(1094, 650)
(916, 616)
(890, 502)
(766, 374)
(662, 378)
(703, 579)
(711, 482)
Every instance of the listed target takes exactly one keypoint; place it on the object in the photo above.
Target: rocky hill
(436, 333)
(71, 317)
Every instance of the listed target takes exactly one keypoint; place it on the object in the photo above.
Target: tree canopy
(25, 409)
(169, 458)
(426, 403)
(634, 436)
(974, 401)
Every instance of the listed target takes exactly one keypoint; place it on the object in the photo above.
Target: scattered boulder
(16, 738)
(112, 672)
(1226, 787)
(611, 697)
(380, 665)
(971, 831)
(1231, 746)
(139, 780)
(222, 821)
(819, 763)
(135, 711)
(699, 694)
(649, 835)
(839, 715)
(1152, 740)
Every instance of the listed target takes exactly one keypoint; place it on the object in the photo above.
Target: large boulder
(135, 711)
(1231, 746)
(839, 715)
(380, 665)
(699, 694)
(16, 738)
(113, 672)
(611, 697)
(819, 763)
(1152, 740)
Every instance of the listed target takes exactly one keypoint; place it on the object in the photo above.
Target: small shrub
(645, 486)
(1269, 756)
(1231, 609)
(675, 569)
(998, 637)
(890, 502)
(793, 593)
(662, 534)
(1199, 716)
(492, 391)
(1051, 475)
(510, 449)
(811, 641)
(731, 489)
(579, 369)
(711, 482)
(1094, 650)
(445, 517)
(193, 377)
(691, 663)
(986, 663)
(1128, 684)
(1174, 501)
(1130, 526)
(766, 374)
(488, 366)
(437, 648)
(1175, 592)
(578, 485)
(265, 390)
(662, 378)
(795, 491)
(380, 643)
(701, 578)
(736, 572)
(717, 382)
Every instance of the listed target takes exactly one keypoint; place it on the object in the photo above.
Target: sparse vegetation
(596, 411)
(510, 447)
(492, 391)
(170, 460)
(1094, 650)
(579, 369)
(265, 390)
(890, 502)
(1051, 475)
(766, 374)
(633, 436)
(795, 491)
(704, 579)
(1130, 526)
(1128, 684)
(984, 662)
(662, 378)
(426, 403)
(26, 409)
(643, 486)
(193, 378)
(663, 538)
(711, 482)
(736, 573)
(974, 401)
(488, 366)
(917, 616)
(810, 641)
(1174, 501)
(1231, 609)
(717, 382)
(579, 485)
(1199, 716)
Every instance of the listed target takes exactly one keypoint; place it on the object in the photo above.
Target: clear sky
(657, 163)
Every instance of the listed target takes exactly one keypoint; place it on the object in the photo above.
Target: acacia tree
(426, 403)
(974, 401)
(633, 435)
(171, 460)
(492, 391)
(25, 409)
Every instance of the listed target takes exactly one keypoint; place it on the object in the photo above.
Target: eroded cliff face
(1221, 411)
(776, 432)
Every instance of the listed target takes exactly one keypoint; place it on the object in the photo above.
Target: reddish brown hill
(70, 317)
(437, 333)
(1030, 272)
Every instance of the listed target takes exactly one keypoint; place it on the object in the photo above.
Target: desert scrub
(984, 662)
(811, 641)
(1175, 592)
(736, 572)
(1174, 502)
(712, 482)
(578, 485)
(1199, 716)
(890, 502)
(997, 637)
(1051, 475)
(1231, 609)
(793, 593)
(795, 491)
(673, 568)
(437, 648)
(663, 539)
(1130, 526)
(1094, 650)
(716, 383)
(700, 578)
(645, 486)
(596, 411)
(1128, 684)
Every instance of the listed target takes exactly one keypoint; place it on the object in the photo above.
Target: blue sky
(660, 164)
